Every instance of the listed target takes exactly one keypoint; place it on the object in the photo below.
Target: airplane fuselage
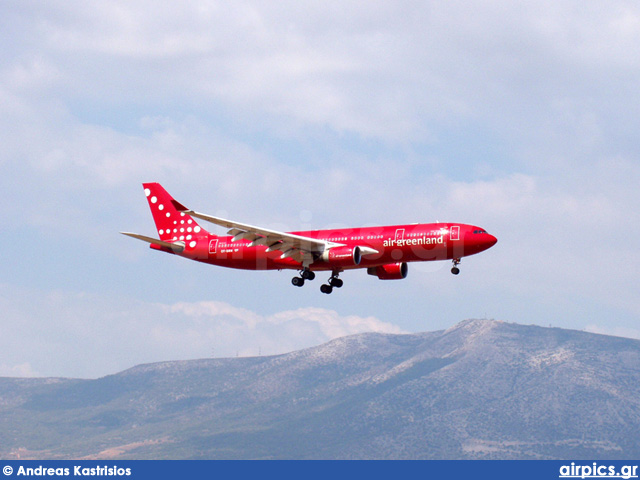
(394, 244)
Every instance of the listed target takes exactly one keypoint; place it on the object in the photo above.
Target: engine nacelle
(390, 271)
(342, 256)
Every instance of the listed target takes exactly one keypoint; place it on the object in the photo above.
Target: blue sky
(516, 117)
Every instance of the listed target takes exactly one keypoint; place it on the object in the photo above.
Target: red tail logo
(172, 225)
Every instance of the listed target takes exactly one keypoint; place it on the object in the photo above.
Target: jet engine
(390, 271)
(342, 256)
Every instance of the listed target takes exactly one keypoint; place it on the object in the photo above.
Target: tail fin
(172, 225)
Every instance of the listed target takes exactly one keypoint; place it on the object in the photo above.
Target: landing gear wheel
(324, 288)
(334, 281)
(297, 281)
(308, 275)
(455, 270)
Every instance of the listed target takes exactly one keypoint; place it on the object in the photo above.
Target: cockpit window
(479, 231)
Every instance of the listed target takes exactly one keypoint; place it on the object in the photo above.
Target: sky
(519, 117)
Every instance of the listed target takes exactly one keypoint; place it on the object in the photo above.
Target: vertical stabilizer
(171, 224)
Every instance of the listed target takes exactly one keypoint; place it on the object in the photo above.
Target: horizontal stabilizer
(177, 247)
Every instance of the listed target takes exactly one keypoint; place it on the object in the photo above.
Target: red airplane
(383, 251)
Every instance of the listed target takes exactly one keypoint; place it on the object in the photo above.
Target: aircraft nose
(492, 241)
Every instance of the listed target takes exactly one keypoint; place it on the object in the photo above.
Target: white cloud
(224, 327)
(332, 324)
(75, 334)
(522, 72)
(370, 69)
(21, 370)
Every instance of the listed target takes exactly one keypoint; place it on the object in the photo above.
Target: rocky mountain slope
(481, 389)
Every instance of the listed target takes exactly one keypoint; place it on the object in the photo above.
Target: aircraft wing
(300, 248)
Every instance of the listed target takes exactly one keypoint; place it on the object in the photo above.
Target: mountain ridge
(479, 389)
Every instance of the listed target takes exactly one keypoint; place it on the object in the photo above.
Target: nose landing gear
(455, 270)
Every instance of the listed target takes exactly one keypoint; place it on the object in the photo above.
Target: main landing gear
(334, 282)
(305, 274)
(455, 270)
